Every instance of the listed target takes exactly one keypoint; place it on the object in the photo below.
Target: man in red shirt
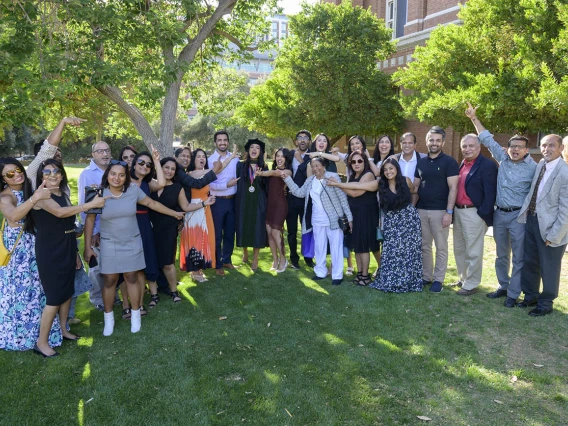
(477, 189)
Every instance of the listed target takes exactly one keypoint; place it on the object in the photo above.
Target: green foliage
(508, 56)
(326, 77)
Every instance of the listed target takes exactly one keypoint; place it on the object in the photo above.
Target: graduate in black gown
(251, 201)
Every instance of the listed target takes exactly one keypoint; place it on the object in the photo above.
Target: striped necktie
(532, 204)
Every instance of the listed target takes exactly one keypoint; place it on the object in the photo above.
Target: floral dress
(21, 295)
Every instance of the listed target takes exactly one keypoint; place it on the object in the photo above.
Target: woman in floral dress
(21, 295)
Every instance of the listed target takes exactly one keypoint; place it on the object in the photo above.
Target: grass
(264, 349)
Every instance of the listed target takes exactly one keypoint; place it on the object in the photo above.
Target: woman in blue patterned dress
(21, 295)
(401, 260)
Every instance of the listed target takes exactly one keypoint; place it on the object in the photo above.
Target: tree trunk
(168, 119)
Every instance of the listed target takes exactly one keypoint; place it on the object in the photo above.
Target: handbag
(5, 255)
(90, 193)
(342, 221)
(308, 245)
(82, 282)
(380, 236)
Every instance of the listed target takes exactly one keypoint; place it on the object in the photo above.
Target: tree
(509, 56)
(143, 56)
(326, 77)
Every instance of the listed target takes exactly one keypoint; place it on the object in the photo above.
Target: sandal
(175, 297)
(143, 311)
(364, 281)
(126, 314)
(154, 299)
(358, 278)
(349, 271)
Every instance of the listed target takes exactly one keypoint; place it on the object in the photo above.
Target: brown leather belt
(228, 197)
(463, 206)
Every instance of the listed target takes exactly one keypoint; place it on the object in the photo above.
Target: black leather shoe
(316, 278)
(310, 263)
(527, 303)
(509, 302)
(294, 265)
(336, 282)
(497, 294)
(540, 312)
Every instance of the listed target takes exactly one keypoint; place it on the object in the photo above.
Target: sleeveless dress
(277, 207)
(56, 253)
(148, 245)
(365, 210)
(401, 258)
(197, 246)
(21, 295)
(165, 227)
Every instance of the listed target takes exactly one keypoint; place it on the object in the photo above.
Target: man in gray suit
(545, 211)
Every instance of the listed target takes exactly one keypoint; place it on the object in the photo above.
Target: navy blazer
(481, 187)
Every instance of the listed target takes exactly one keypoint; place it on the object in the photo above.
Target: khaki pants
(432, 230)
(469, 233)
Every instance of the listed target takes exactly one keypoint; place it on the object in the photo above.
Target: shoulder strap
(17, 239)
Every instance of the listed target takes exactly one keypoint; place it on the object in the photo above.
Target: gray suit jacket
(551, 205)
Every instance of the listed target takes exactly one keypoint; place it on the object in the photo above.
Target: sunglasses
(126, 157)
(116, 162)
(359, 161)
(12, 173)
(143, 163)
(54, 172)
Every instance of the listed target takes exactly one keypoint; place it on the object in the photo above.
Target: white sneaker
(109, 323)
(135, 321)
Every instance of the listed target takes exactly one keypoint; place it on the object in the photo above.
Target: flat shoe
(39, 352)
(540, 312)
(497, 293)
(77, 337)
(464, 292)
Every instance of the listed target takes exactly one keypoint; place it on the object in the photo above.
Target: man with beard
(296, 205)
(223, 211)
(516, 171)
(436, 178)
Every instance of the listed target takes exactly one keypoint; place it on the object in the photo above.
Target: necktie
(532, 204)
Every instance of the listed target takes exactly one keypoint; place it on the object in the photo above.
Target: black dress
(56, 253)
(250, 209)
(165, 227)
(365, 210)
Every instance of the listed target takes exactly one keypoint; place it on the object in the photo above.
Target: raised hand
(470, 111)
(155, 154)
(73, 121)
(210, 200)
(42, 192)
(217, 166)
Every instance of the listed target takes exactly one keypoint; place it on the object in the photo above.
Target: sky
(292, 7)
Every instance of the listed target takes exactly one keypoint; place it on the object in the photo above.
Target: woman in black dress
(56, 250)
(365, 209)
(251, 201)
(165, 227)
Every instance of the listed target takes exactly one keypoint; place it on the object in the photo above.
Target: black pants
(540, 261)
(295, 214)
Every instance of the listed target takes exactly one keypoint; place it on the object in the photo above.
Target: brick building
(411, 22)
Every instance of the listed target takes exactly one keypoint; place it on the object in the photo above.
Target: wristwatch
(449, 211)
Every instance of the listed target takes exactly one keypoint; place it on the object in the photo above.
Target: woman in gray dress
(121, 245)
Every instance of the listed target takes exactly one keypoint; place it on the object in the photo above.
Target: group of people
(392, 206)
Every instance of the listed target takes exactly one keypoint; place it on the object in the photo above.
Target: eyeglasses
(302, 138)
(116, 162)
(359, 161)
(126, 157)
(517, 147)
(143, 163)
(102, 151)
(54, 172)
(12, 173)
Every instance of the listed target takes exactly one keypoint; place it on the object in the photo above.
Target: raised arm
(485, 137)
(269, 173)
(15, 213)
(160, 181)
(370, 185)
(55, 209)
(293, 188)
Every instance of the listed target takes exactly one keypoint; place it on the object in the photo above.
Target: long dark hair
(402, 191)
(359, 138)
(260, 159)
(287, 158)
(150, 175)
(27, 188)
(194, 157)
(52, 162)
(366, 165)
(313, 145)
(377, 154)
(163, 162)
(127, 148)
(104, 179)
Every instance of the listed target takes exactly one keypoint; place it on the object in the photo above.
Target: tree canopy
(142, 58)
(326, 77)
(509, 56)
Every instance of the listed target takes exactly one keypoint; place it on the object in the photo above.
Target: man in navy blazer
(477, 189)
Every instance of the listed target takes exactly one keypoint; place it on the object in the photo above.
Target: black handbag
(90, 193)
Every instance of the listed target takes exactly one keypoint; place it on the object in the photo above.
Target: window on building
(274, 30)
(395, 16)
(283, 30)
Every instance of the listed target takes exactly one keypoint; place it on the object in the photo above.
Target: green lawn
(262, 349)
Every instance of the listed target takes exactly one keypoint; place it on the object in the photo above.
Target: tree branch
(234, 40)
(187, 23)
